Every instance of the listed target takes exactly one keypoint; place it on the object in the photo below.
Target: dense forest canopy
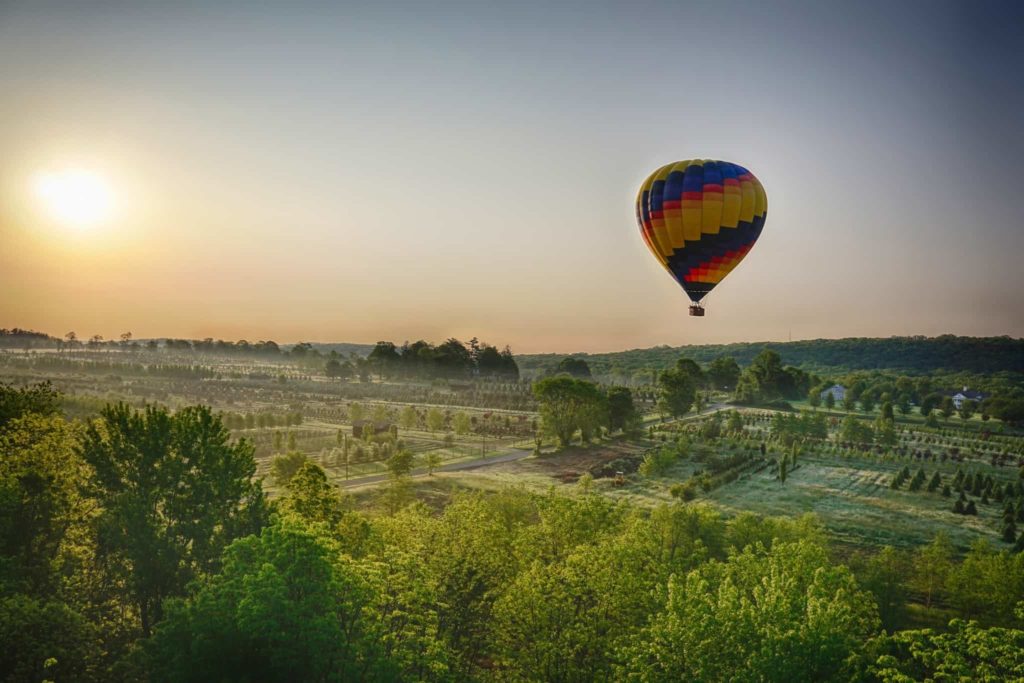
(106, 572)
(906, 354)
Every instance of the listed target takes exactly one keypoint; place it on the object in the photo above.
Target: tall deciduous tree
(622, 412)
(569, 405)
(677, 389)
(174, 491)
(723, 373)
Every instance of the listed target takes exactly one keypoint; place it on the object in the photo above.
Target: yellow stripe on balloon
(692, 211)
(748, 202)
(761, 205)
(661, 231)
(674, 216)
(731, 201)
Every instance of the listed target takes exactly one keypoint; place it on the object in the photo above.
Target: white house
(838, 392)
(966, 394)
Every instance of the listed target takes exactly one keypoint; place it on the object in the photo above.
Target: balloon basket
(697, 309)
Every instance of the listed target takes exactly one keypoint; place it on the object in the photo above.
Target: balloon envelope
(699, 218)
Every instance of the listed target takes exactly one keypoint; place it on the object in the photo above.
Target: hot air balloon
(700, 218)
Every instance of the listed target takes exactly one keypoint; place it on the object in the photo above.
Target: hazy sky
(354, 172)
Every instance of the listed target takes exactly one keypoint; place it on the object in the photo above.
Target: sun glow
(75, 197)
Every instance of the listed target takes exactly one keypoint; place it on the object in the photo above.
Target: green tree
(283, 467)
(903, 404)
(884, 575)
(967, 409)
(461, 423)
(964, 652)
(435, 419)
(814, 397)
(287, 606)
(38, 399)
(151, 473)
(723, 373)
(336, 369)
(743, 606)
(312, 498)
(45, 640)
(764, 379)
(401, 463)
(576, 367)
(677, 390)
(946, 407)
(432, 460)
(622, 412)
(853, 430)
(408, 418)
(830, 401)
(930, 568)
(356, 412)
(568, 405)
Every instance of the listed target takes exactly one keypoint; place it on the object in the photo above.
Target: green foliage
(575, 367)
(987, 584)
(173, 492)
(723, 373)
(766, 380)
(622, 412)
(283, 467)
(855, 431)
(435, 419)
(883, 575)
(461, 423)
(909, 354)
(44, 640)
(657, 461)
(677, 388)
(287, 606)
(966, 652)
(401, 463)
(38, 399)
(967, 409)
(41, 473)
(408, 418)
(930, 568)
(743, 606)
(569, 405)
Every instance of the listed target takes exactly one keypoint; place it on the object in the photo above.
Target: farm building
(966, 394)
(838, 392)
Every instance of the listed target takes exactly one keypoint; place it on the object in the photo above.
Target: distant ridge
(907, 354)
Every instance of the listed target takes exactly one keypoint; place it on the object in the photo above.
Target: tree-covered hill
(906, 354)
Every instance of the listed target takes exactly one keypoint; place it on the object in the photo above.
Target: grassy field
(848, 490)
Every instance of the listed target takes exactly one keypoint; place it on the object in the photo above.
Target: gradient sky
(398, 171)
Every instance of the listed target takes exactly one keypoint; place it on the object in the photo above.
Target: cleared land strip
(515, 454)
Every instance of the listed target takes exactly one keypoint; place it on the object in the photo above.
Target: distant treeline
(450, 359)
(25, 339)
(907, 354)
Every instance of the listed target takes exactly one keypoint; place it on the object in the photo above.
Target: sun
(76, 198)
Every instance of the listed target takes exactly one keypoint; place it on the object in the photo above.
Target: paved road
(516, 454)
